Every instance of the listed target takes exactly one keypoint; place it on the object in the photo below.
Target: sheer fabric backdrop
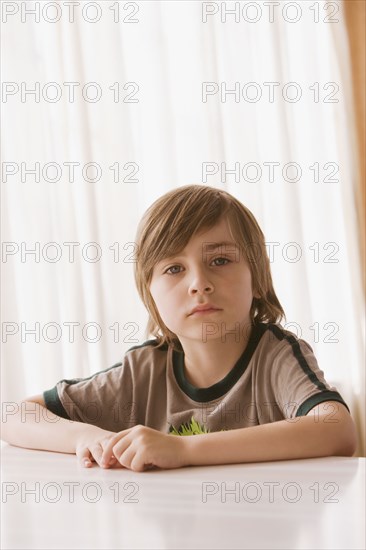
(171, 137)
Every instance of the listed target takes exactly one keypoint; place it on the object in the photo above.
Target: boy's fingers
(108, 452)
(85, 458)
(108, 449)
(97, 452)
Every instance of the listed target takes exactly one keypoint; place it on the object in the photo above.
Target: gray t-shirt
(277, 377)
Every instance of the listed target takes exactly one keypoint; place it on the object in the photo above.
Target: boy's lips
(204, 308)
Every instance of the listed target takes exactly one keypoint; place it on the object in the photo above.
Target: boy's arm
(31, 425)
(317, 434)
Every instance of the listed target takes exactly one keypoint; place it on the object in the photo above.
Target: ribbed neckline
(203, 395)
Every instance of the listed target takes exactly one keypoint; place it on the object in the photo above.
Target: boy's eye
(169, 268)
(215, 260)
(225, 260)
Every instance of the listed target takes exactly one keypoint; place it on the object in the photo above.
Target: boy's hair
(166, 228)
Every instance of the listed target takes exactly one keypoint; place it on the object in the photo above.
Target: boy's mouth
(204, 308)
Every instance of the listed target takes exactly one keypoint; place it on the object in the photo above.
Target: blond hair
(166, 228)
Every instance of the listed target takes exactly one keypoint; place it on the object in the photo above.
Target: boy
(220, 370)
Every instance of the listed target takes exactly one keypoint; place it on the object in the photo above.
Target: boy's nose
(201, 284)
(207, 289)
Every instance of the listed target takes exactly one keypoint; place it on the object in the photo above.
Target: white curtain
(154, 124)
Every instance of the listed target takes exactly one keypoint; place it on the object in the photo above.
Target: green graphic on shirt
(192, 428)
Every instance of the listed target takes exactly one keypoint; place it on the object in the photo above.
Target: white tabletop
(49, 501)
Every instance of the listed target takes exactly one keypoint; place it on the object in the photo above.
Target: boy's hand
(91, 444)
(141, 448)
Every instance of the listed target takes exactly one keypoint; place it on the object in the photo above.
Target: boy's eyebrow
(207, 247)
(214, 246)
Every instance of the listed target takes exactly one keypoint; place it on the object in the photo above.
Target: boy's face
(200, 275)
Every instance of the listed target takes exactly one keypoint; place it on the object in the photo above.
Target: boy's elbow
(339, 436)
(349, 447)
(347, 441)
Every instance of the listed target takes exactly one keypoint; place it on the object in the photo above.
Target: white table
(309, 504)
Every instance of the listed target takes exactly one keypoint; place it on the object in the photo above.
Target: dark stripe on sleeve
(54, 404)
(71, 381)
(52, 399)
(319, 398)
(299, 356)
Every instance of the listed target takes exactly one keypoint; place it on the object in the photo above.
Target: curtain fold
(355, 19)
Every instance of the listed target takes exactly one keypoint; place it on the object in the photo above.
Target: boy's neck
(207, 363)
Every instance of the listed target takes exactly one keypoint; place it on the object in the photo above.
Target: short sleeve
(298, 383)
(103, 399)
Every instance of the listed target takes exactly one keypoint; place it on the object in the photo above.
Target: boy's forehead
(218, 239)
(208, 243)
(218, 236)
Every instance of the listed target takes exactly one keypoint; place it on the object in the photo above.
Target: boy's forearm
(307, 437)
(32, 426)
